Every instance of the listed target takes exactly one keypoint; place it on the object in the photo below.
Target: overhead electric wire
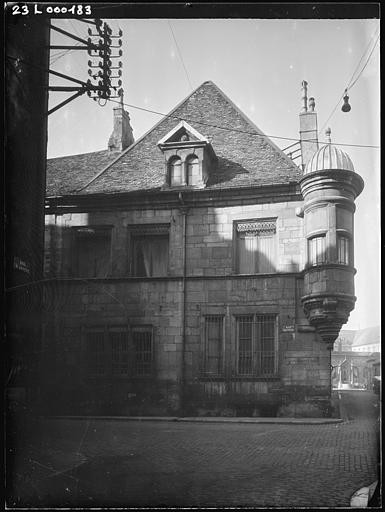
(366, 63)
(61, 54)
(233, 129)
(362, 57)
(350, 84)
(180, 54)
(208, 124)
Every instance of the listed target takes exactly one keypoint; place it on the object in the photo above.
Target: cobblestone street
(200, 464)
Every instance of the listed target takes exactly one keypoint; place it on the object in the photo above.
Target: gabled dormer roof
(182, 128)
(246, 156)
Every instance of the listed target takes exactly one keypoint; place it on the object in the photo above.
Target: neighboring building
(198, 270)
(358, 361)
(354, 369)
(344, 341)
(367, 340)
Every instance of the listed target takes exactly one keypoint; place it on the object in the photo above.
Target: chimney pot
(307, 127)
(304, 96)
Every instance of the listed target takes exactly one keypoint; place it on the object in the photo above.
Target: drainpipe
(183, 210)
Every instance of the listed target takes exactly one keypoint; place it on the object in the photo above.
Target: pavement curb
(205, 419)
(361, 498)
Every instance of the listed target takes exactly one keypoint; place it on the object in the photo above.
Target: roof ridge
(251, 123)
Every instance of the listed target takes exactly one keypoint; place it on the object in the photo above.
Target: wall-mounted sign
(20, 264)
(288, 328)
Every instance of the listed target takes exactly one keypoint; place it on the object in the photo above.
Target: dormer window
(192, 170)
(189, 157)
(175, 171)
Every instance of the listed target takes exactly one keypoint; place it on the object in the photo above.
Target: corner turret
(329, 187)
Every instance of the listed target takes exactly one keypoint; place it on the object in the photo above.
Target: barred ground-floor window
(119, 351)
(213, 348)
(256, 337)
(244, 345)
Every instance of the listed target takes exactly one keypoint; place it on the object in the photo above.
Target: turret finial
(328, 133)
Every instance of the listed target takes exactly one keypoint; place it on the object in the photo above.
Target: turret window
(317, 250)
(343, 247)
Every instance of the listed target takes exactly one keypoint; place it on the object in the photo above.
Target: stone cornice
(142, 200)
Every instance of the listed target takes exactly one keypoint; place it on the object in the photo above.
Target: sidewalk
(209, 419)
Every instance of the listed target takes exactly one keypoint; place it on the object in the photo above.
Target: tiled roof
(68, 173)
(245, 158)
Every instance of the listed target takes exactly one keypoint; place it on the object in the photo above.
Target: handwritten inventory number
(23, 10)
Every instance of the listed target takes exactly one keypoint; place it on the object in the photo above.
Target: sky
(259, 64)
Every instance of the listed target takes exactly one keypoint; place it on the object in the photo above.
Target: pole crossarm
(64, 47)
(66, 77)
(78, 93)
(89, 45)
(100, 71)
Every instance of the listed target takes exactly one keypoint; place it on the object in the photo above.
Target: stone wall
(211, 287)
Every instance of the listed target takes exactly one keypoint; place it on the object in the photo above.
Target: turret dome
(329, 157)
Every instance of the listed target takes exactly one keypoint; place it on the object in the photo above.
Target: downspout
(183, 210)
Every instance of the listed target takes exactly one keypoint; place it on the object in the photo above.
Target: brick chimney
(122, 135)
(307, 127)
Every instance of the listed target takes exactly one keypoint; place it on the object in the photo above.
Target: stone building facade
(186, 274)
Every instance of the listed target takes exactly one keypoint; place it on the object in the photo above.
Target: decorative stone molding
(149, 229)
(256, 227)
(327, 314)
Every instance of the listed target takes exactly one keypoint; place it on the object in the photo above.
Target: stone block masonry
(212, 287)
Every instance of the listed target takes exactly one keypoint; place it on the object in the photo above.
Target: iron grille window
(142, 338)
(257, 345)
(256, 246)
(343, 245)
(114, 352)
(317, 250)
(120, 352)
(96, 353)
(213, 345)
(92, 251)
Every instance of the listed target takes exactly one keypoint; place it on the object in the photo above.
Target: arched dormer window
(175, 171)
(192, 170)
(189, 157)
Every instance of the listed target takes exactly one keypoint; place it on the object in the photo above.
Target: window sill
(237, 378)
(110, 377)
